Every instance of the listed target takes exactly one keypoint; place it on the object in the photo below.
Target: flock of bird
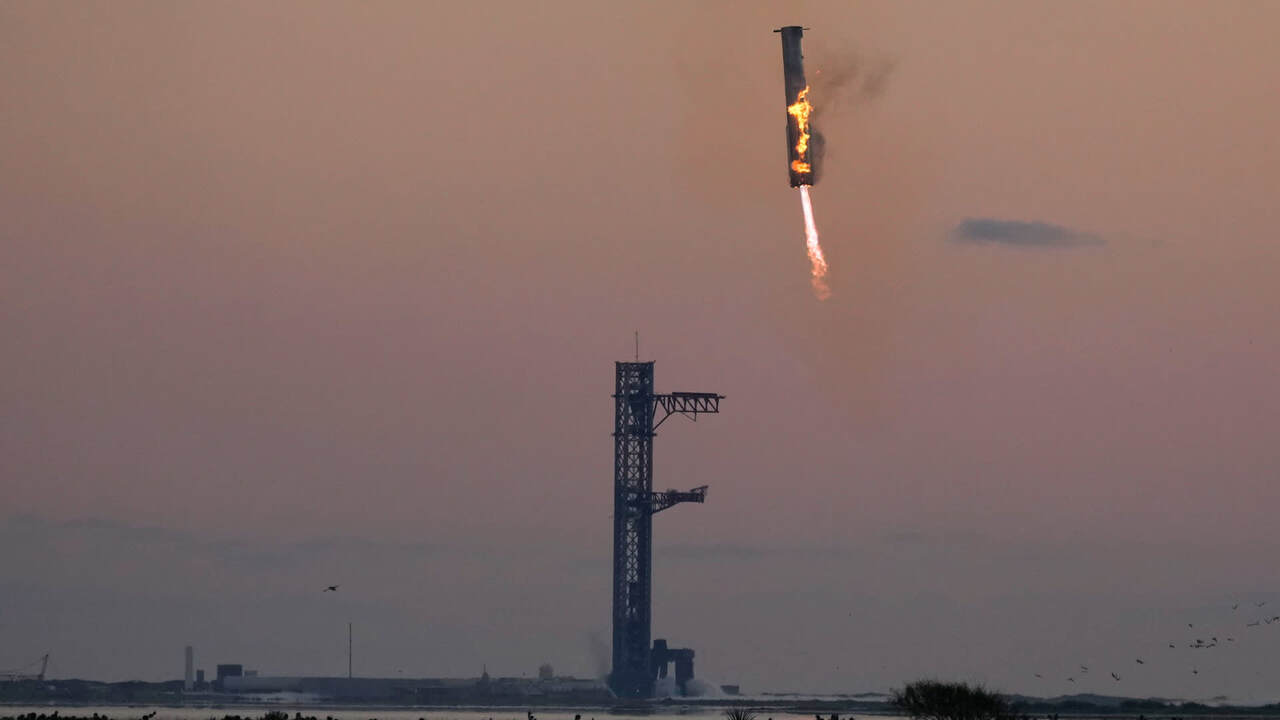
(1195, 644)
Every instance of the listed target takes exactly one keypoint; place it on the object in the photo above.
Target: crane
(23, 673)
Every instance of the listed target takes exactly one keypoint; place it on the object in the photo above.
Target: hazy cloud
(246, 554)
(911, 536)
(690, 552)
(262, 599)
(1019, 233)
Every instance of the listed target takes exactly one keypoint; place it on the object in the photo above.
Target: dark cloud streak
(1018, 233)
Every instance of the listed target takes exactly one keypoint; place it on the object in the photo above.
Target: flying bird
(331, 588)
(1170, 644)
(1115, 677)
(1234, 606)
(1264, 602)
(1140, 662)
(1084, 668)
(1071, 679)
(1190, 625)
(1194, 671)
(1039, 675)
(1255, 623)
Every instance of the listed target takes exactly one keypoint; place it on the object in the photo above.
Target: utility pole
(349, 651)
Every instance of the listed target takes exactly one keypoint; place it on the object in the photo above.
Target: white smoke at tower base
(696, 687)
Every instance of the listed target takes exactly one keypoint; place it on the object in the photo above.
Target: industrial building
(427, 691)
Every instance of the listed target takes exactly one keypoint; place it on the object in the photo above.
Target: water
(132, 712)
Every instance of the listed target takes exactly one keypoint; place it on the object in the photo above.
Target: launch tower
(638, 411)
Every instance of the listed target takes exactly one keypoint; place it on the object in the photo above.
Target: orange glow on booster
(800, 110)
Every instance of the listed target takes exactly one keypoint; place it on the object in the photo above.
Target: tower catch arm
(651, 503)
(664, 500)
(689, 404)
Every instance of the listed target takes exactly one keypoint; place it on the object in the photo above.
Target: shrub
(739, 714)
(935, 700)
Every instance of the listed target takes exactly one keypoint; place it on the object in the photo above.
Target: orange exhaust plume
(816, 258)
(800, 110)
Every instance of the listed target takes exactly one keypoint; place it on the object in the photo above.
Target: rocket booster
(799, 162)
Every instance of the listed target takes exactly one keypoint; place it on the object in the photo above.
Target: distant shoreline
(847, 710)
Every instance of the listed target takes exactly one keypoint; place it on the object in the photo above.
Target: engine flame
(800, 110)
(816, 258)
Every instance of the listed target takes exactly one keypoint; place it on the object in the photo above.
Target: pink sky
(303, 293)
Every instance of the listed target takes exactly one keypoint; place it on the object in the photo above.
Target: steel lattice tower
(636, 418)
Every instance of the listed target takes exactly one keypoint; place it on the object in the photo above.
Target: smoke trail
(599, 650)
(845, 79)
(816, 259)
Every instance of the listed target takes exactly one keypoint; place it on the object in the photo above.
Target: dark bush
(935, 700)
